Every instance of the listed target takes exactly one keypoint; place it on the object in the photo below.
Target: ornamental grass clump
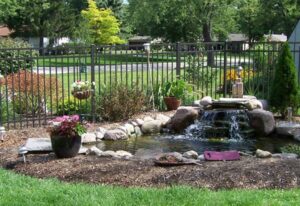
(67, 126)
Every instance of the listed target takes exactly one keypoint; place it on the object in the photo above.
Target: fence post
(178, 60)
(93, 80)
(225, 70)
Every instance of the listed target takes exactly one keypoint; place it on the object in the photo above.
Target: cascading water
(221, 123)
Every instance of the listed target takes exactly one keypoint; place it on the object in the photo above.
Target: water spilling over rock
(221, 123)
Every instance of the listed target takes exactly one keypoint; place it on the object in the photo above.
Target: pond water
(217, 130)
(151, 145)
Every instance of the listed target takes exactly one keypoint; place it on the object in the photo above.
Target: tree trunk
(209, 47)
(41, 44)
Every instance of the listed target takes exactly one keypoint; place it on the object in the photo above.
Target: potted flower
(82, 89)
(174, 92)
(65, 134)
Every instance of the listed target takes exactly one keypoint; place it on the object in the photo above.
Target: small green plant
(291, 148)
(70, 106)
(178, 89)
(284, 91)
(120, 102)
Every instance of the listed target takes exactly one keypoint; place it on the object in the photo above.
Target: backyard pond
(151, 145)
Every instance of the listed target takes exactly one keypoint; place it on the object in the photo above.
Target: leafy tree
(103, 26)
(257, 17)
(279, 16)
(41, 18)
(8, 8)
(115, 5)
(178, 20)
(249, 19)
(284, 90)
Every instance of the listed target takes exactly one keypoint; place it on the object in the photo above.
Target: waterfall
(221, 123)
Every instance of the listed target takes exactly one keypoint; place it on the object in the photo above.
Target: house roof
(5, 31)
(276, 37)
(140, 39)
(237, 37)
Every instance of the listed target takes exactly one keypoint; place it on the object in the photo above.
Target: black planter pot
(65, 147)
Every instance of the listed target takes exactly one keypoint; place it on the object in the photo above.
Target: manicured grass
(101, 59)
(142, 78)
(21, 190)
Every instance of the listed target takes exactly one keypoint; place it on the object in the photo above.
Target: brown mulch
(249, 172)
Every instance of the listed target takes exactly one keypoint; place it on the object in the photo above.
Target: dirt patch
(249, 172)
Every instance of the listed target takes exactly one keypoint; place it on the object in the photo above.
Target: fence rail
(36, 82)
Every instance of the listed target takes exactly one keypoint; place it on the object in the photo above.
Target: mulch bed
(249, 172)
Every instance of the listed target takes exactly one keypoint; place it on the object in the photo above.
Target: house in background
(237, 42)
(137, 42)
(275, 37)
(34, 41)
(294, 42)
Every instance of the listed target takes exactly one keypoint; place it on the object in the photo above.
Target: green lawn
(144, 78)
(21, 190)
(102, 59)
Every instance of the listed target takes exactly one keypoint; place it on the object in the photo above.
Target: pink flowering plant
(67, 126)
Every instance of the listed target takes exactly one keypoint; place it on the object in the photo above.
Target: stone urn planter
(82, 94)
(172, 103)
(65, 147)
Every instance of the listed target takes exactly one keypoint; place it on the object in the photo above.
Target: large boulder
(163, 118)
(288, 129)
(262, 121)
(115, 134)
(252, 104)
(184, 117)
(88, 137)
(151, 127)
(205, 101)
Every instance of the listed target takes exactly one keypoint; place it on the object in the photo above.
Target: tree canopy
(40, 18)
(178, 20)
(259, 17)
(103, 25)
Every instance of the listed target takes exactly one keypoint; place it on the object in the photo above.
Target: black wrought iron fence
(35, 87)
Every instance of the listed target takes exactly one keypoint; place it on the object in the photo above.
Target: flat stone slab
(43, 145)
(38, 145)
(289, 129)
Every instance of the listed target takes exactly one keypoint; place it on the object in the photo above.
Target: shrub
(29, 91)
(7, 113)
(291, 148)
(284, 89)
(72, 106)
(120, 102)
(12, 57)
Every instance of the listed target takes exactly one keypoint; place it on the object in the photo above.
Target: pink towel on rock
(220, 156)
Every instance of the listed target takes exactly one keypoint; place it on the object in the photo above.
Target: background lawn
(21, 190)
